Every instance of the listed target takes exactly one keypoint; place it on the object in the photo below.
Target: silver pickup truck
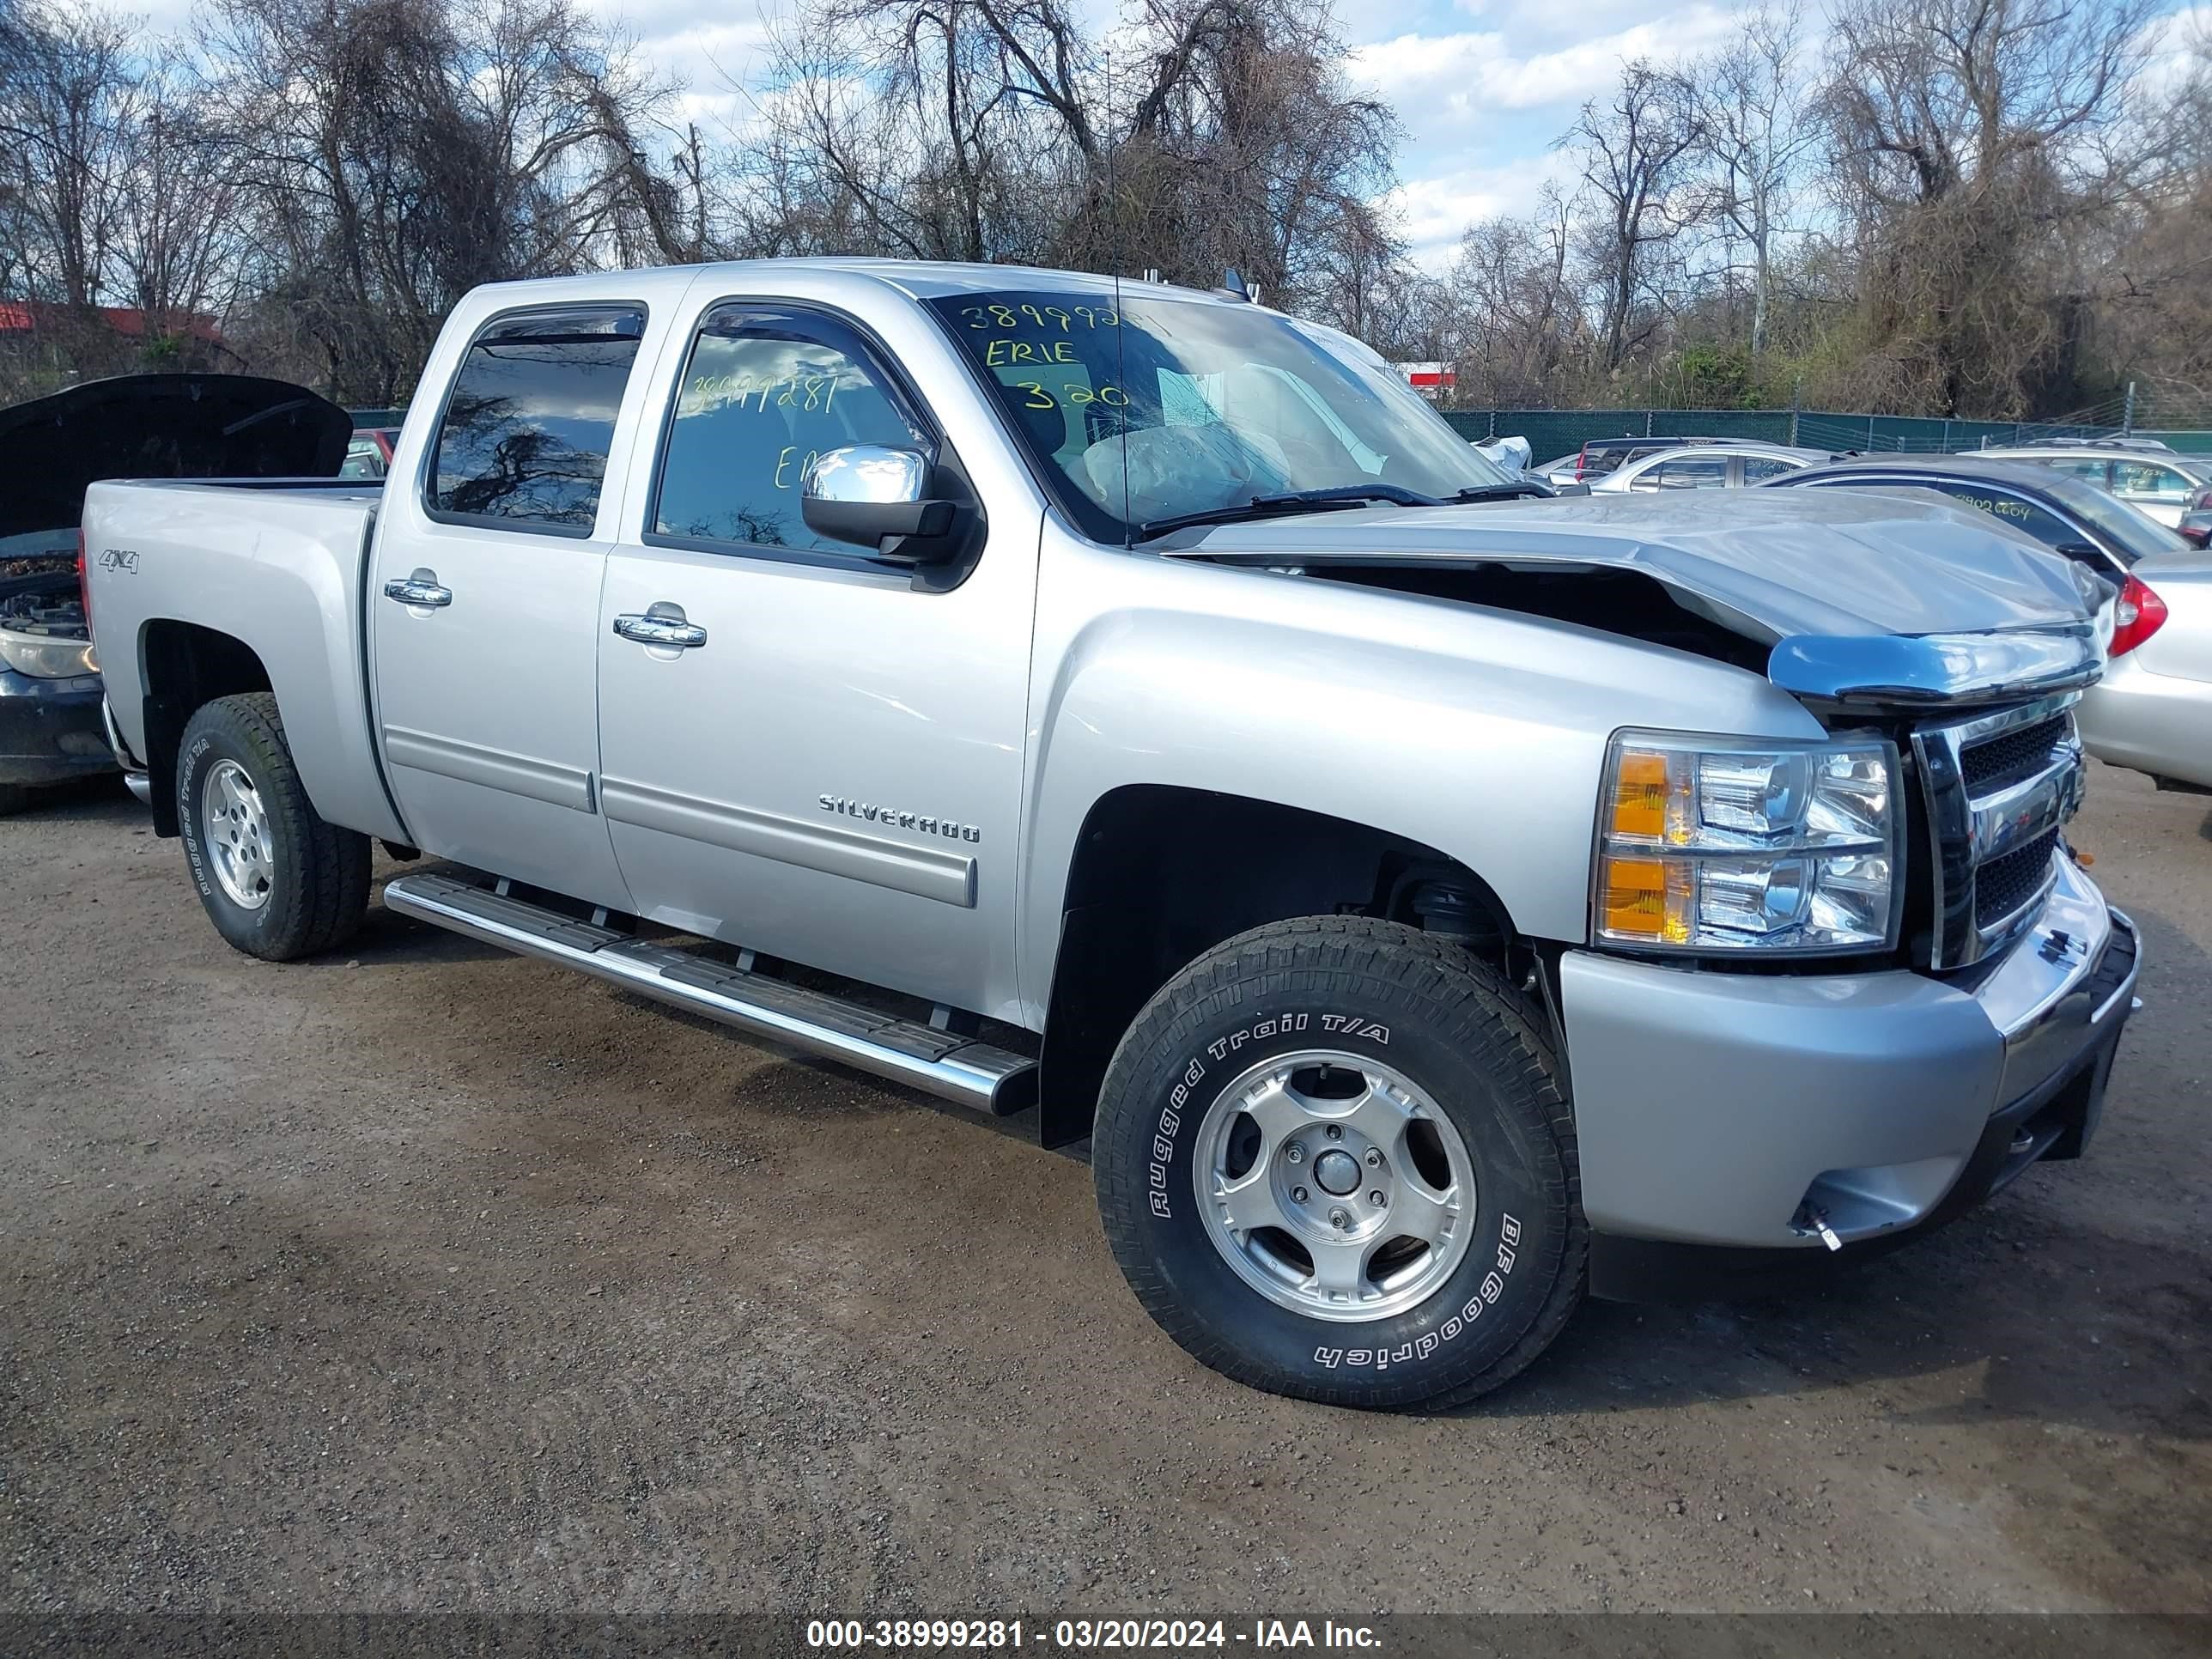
(1132, 709)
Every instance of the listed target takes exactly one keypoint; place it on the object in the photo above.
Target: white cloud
(2172, 45)
(1433, 210)
(1455, 80)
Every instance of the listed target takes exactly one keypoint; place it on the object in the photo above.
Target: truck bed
(280, 561)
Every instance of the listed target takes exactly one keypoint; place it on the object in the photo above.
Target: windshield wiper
(1500, 492)
(1289, 500)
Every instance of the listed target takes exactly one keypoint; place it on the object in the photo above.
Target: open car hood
(158, 426)
(1899, 597)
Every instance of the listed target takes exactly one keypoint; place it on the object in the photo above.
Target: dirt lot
(427, 1277)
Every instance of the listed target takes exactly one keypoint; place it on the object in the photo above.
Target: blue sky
(1482, 86)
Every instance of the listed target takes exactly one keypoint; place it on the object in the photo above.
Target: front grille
(1998, 789)
(2009, 880)
(2013, 754)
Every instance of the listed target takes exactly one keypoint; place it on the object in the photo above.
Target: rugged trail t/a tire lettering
(277, 881)
(1334, 1162)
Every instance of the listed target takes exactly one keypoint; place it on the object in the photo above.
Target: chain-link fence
(1555, 432)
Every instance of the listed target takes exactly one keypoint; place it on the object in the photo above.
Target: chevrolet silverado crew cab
(1136, 709)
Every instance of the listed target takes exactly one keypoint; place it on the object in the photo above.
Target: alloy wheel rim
(235, 829)
(1334, 1186)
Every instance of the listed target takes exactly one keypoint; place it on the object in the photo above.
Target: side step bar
(942, 1063)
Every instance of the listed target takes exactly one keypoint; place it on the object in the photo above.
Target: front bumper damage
(1723, 1117)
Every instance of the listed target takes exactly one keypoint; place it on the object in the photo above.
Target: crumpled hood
(1787, 562)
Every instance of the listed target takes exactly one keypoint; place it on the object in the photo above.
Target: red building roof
(26, 316)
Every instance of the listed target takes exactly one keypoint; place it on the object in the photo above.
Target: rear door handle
(650, 629)
(418, 591)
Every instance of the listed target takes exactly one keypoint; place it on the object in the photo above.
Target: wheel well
(1162, 875)
(182, 667)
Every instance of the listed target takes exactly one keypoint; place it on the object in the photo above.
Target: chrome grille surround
(2023, 790)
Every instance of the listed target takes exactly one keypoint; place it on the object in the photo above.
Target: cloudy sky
(1483, 86)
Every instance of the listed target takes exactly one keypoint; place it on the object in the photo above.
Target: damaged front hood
(1897, 596)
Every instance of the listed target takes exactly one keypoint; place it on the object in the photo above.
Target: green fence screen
(1554, 432)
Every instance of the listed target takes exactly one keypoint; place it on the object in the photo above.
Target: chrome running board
(939, 1062)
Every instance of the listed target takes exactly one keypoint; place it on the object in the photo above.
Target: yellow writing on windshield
(1064, 317)
(1003, 354)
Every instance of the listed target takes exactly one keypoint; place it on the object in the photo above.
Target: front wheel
(276, 879)
(1334, 1162)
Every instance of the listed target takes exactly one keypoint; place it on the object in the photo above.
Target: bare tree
(1636, 151)
(2157, 286)
(69, 103)
(1523, 329)
(394, 154)
(1755, 131)
(1972, 143)
(1218, 133)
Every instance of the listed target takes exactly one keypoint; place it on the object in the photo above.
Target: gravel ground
(425, 1277)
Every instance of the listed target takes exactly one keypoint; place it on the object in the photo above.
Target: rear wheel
(1333, 1162)
(277, 881)
(13, 797)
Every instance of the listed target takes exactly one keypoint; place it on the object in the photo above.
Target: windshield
(1164, 407)
(2133, 535)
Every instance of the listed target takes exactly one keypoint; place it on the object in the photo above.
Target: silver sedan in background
(2150, 478)
(1707, 466)
(2151, 711)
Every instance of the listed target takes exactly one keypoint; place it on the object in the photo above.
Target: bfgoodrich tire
(1333, 1162)
(277, 881)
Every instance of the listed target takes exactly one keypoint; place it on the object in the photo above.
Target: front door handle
(650, 629)
(420, 591)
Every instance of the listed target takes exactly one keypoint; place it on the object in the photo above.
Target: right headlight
(1710, 845)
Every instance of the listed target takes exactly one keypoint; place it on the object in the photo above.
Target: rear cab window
(524, 441)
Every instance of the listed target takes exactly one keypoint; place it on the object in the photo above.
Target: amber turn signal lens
(1647, 899)
(1636, 897)
(1639, 800)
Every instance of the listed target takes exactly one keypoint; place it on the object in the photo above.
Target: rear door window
(2090, 468)
(1757, 469)
(523, 442)
(1693, 472)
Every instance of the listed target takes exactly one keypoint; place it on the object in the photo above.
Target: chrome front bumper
(1719, 1108)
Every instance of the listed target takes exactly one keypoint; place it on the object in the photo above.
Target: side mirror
(875, 497)
(1571, 489)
